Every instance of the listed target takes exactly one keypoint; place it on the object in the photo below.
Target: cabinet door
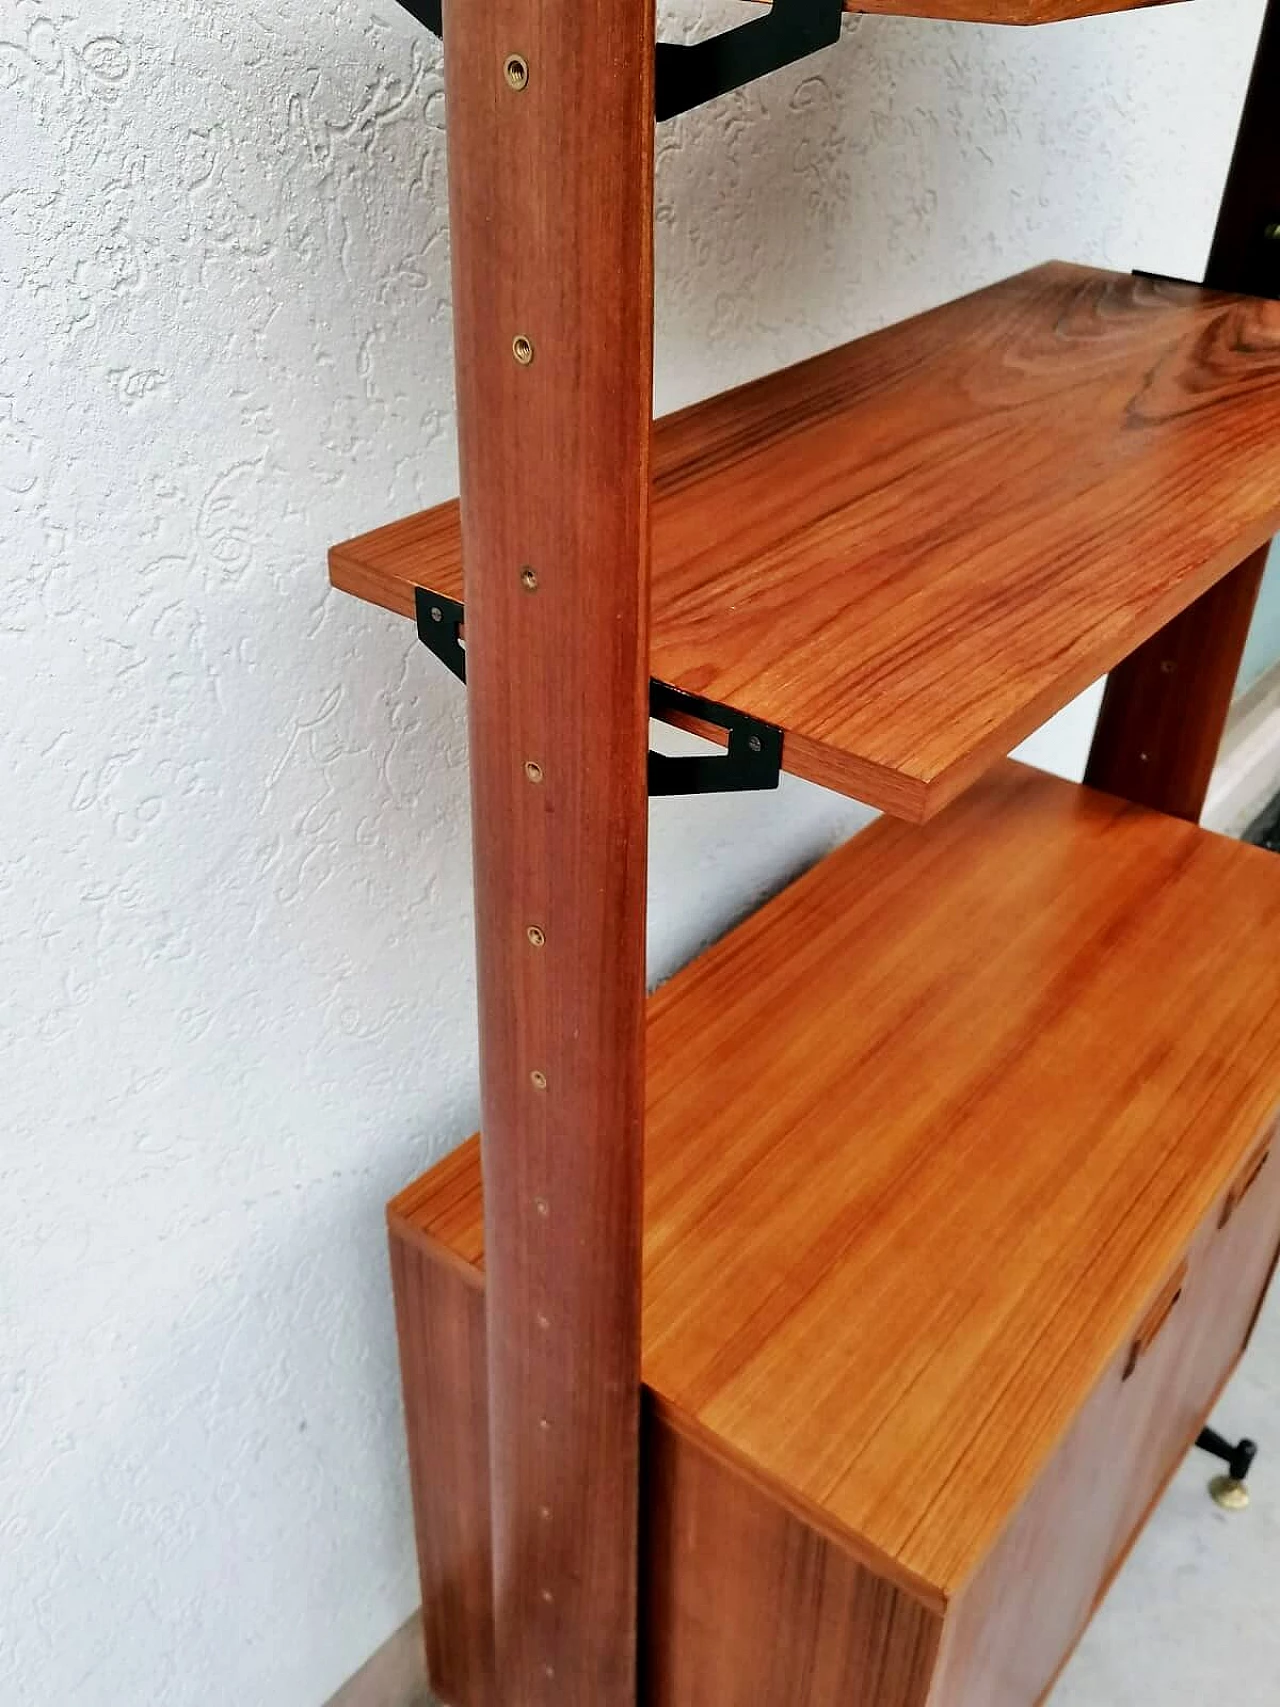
(1230, 1264)
(1018, 1619)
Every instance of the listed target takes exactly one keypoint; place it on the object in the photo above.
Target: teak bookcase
(827, 1326)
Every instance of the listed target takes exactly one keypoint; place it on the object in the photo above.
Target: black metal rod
(1237, 1455)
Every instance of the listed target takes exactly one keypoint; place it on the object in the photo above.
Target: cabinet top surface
(909, 551)
(924, 1137)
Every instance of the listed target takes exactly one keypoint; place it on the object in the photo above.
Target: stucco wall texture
(235, 955)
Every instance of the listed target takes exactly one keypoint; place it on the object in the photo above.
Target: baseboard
(394, 1677)
(1247, 774)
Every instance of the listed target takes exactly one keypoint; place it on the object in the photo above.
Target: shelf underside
(1000, 11)
(907, 553)
(922, 1137)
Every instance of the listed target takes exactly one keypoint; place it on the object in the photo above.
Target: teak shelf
(932, 1141)
(828, 1323)
(909, 552)
(1001, 11)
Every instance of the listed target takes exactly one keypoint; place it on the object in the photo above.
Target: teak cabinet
(934, 1303)
(820, 1330)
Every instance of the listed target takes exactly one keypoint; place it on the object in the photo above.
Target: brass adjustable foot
(1230, 1494)
(1229, 1491)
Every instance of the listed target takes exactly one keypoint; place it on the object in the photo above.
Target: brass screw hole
(535, 936)
(533, 771)
(516, 71)
(529, 580)
(542, 1206)
(538, 1080)
(522, 349)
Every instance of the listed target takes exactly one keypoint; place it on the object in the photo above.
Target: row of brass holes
(516, 72)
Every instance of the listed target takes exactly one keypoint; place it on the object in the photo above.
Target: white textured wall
(235, 967)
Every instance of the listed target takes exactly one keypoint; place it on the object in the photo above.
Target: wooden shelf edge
(914, 800)
(1097, 456)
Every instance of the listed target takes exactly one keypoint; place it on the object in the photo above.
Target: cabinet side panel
(746, 1606)
(440, 1322)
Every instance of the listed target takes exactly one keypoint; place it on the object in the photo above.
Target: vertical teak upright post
(550, 113)
(1166, 706)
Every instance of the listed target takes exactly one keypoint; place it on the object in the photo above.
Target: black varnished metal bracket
(439, 626)
(1169, 278)
(427, 12)
(691, 73)
(751, 760)
(1263, 273)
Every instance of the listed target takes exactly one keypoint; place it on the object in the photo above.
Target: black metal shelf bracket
(692, 73)
(689, 74)
(428, 14)
(752, 759)
(439, 629)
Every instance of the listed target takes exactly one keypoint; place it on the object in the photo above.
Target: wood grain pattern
(910, 551)
(1165, 707)
(1000, 11)
(749, 1598)
(1017, 1621)
(554, 261)
(926, 1136)
(1017, 12)
(746, 1606)
(440, 1323)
